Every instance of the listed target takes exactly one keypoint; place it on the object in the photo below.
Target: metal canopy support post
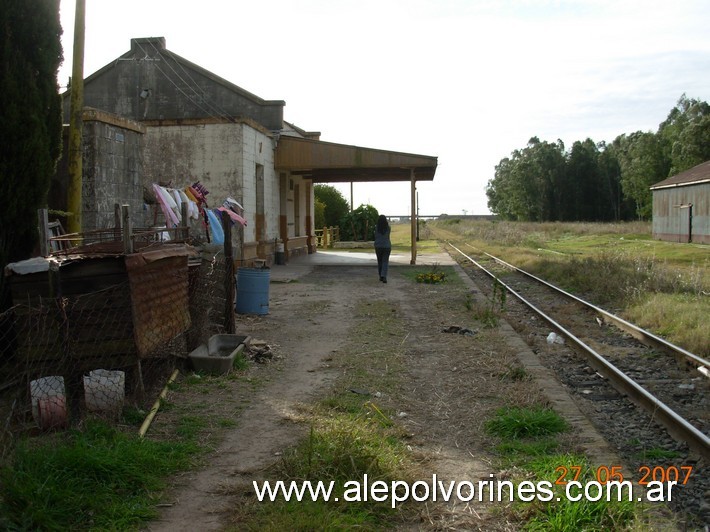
(413, 211)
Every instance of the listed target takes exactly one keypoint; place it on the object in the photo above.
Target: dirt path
(451, 383)
(307, 321)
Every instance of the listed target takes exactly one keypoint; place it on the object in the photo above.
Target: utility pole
(74, 204)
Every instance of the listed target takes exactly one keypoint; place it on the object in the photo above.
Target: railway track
(668, 382)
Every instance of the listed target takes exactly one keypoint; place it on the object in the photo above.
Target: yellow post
(76, 123)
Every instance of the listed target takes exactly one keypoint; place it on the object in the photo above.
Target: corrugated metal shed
(681, 206)
(159, 297)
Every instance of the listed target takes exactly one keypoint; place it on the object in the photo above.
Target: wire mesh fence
(92, 336)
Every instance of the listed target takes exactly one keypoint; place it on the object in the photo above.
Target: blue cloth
(215, 226)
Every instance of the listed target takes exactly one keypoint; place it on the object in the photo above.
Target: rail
(647, 337)
(676, 425)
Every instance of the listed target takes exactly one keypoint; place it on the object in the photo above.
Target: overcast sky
(467, 81)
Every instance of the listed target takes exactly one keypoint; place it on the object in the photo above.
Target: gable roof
(693, 176)
(149, 82)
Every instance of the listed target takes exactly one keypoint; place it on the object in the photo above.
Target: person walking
(383, 246)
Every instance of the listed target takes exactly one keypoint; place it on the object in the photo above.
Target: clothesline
(194, 196)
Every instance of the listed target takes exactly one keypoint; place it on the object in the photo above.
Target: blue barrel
(253, 290)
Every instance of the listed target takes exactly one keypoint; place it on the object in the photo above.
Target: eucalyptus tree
(526, 186)
(586, 196)
(685, 134)
(642, 164)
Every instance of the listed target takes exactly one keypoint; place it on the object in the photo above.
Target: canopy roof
(328, 162)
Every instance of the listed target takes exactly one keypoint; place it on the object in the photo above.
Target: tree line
(599, 181)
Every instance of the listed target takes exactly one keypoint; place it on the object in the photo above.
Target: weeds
(351, 434)
(489, 314)
(516, 422)
(658, 453)
(343, 445)
(530, 449)
(432, 277)
(515, 373)
(94, 478)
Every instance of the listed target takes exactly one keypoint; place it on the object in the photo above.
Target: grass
(103, 477)
(351, 434)
(516, 423)
(529, 445)
(658, 454)
(341, 447)
(96, 478)
(661, 286)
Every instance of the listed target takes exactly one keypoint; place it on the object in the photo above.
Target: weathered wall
(112, 173)
(151, 83)
(112, 167)
(199, 127)
(224, 158)
(670, 221)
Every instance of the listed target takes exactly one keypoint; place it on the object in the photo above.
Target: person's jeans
(383, 259)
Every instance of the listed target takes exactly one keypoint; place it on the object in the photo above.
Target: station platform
(303, 265)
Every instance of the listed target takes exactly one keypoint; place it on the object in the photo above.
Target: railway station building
(153, 117)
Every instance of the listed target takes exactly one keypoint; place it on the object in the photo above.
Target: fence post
(117, 221)
(127, 230)
(185, 222)
(229, 320)
(43, 232)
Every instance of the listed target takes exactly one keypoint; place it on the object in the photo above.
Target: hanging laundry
(190, 195)
(200, 188)
(167, 205)
(215, 227)
(233, 204)
(192, 210)
(233, 215)
(178, 200)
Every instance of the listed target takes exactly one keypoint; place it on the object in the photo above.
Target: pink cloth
(233, 215)
(161, 196)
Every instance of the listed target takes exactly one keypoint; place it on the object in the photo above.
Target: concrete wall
(112, 167)
(225, 158)
(671, 222)
(112, 174)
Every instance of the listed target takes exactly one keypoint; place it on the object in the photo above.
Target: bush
(335, 205)
(359, 224)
